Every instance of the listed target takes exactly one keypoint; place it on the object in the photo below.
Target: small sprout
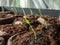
(31, 11)
(28, 22)
(14, 9)
(2, 9)
(40, 11)
(41, 20)
(22, 10)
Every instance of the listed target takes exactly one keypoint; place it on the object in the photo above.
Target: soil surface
(47, 29)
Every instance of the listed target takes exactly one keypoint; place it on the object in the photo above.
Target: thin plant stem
(31, 11)
(14, 10)
(40, 11)
(2, 8)
(28, 22)
(33, 31)
(23, 10)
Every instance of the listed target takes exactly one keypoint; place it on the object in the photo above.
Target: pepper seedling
(40, 11)
(14, 10)
(2, 8)
(28, 22)
(42, 20)
(31, 11)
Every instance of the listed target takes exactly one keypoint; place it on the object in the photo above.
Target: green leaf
(27, 21)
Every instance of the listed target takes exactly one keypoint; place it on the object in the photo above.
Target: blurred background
(44, 4)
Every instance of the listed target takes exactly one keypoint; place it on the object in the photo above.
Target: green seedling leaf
(28, 22)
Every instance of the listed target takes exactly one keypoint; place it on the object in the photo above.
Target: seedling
(2, 8)
(31, 11)
(40, 11)
(22, 10)
(14, 10)
(28, 22)
(45, 24)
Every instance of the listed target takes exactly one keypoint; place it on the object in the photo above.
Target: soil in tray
(11, 29)
(45, 36)
(7, 18)
(25, 36)
(3, 14)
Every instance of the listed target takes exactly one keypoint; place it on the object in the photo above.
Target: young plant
(45, 23)
(40, 11)
(14, 10)
(2, 9)
(28, 22)
(31, 11)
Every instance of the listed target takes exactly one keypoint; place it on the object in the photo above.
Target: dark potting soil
(3, 14)
(45, 36)
(6, 19)
(2, 41)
